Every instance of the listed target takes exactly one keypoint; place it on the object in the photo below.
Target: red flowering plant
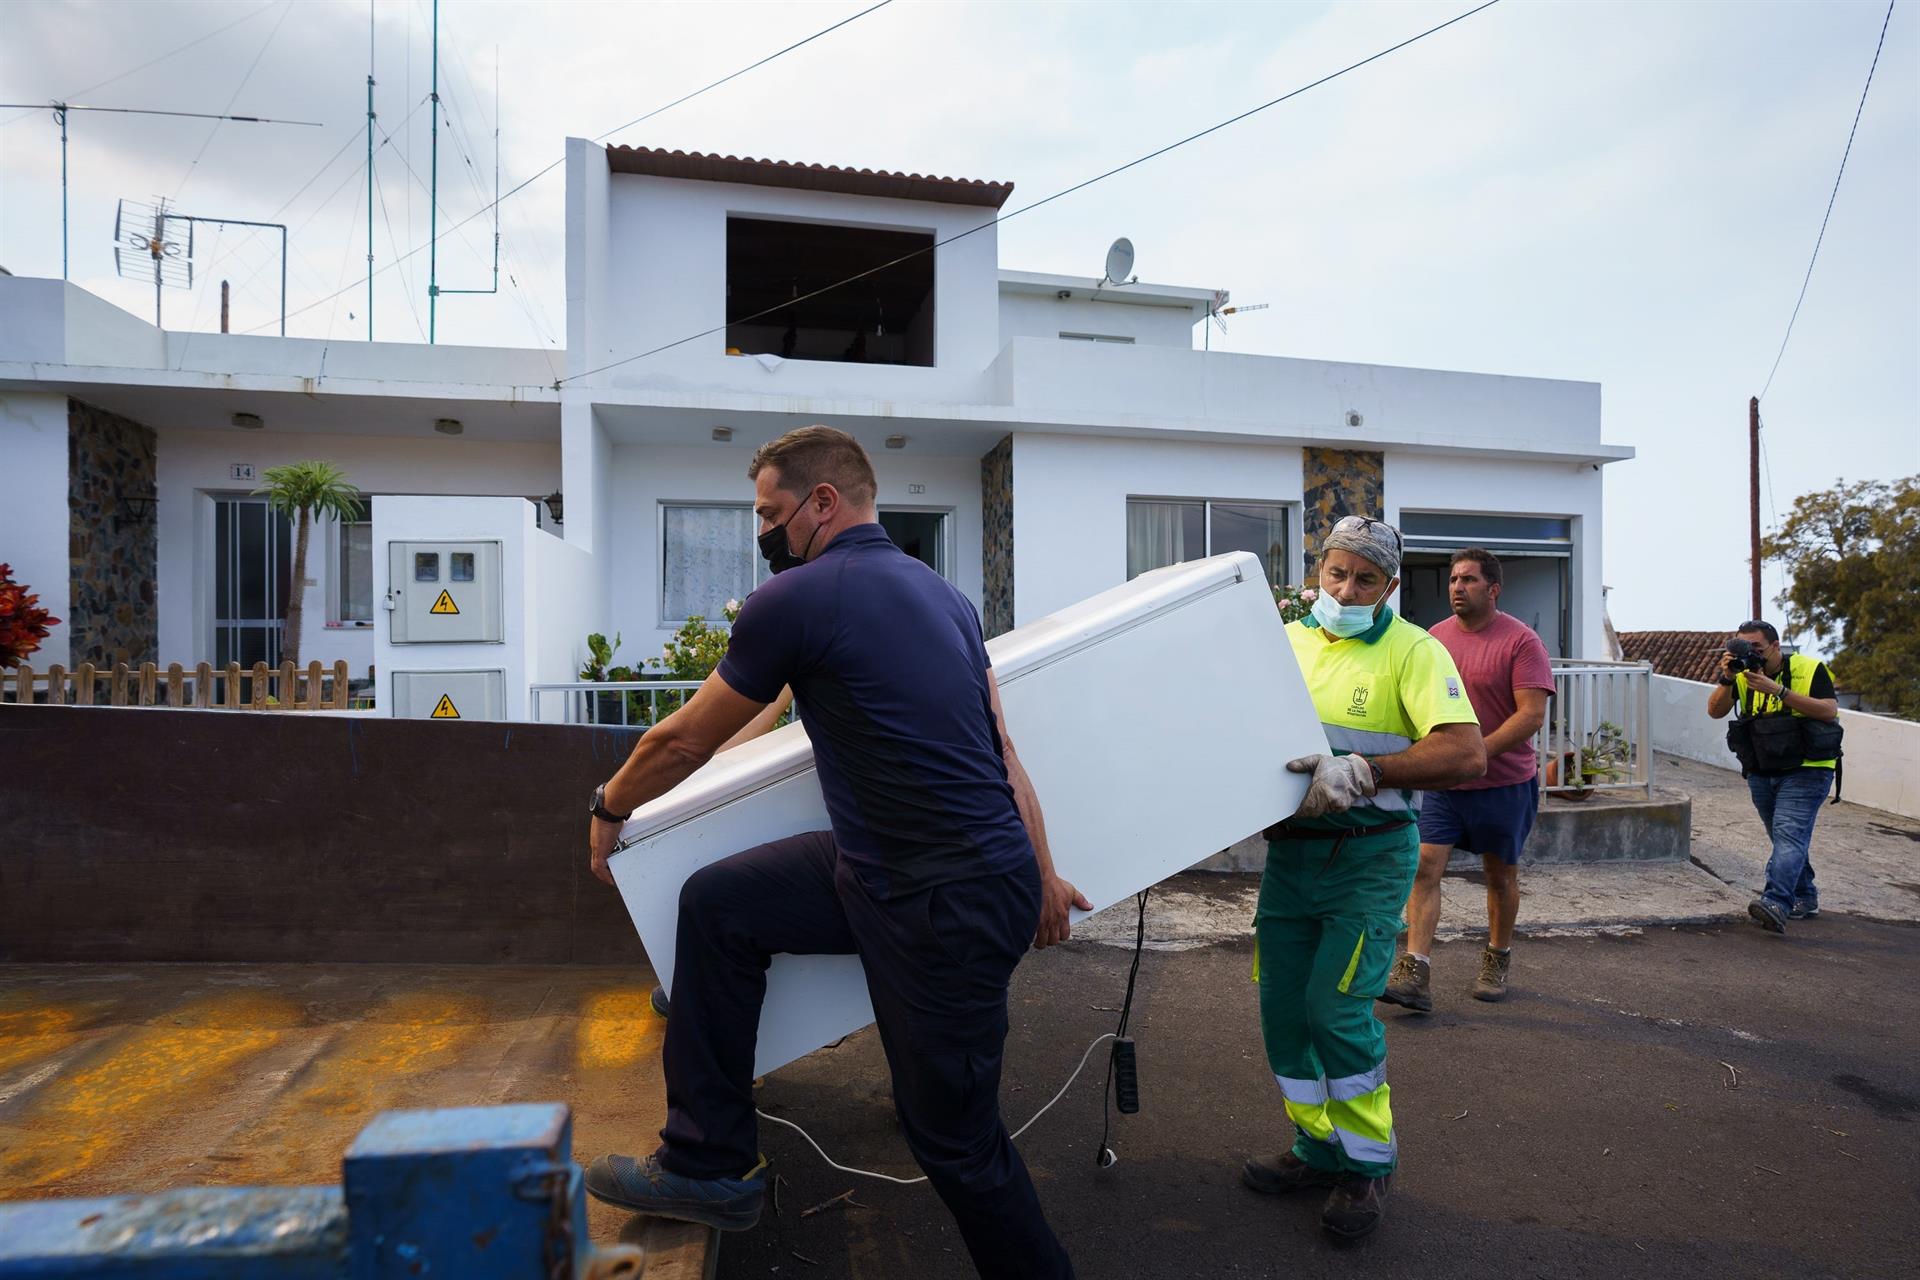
(23, 623)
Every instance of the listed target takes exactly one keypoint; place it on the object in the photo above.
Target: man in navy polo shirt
(936, 872)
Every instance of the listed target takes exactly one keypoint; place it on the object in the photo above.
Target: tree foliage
(1852, 555)
(300, 491)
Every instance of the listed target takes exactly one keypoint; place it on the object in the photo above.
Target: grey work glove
(1339, 783)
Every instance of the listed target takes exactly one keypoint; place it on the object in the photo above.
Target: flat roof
(703, 167)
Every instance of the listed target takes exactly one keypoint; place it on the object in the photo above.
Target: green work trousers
(1324, 932)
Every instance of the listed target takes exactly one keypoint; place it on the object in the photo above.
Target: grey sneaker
(1407, 985)
(1284, 1172)
(1804, 910)
(1492, 982)
(1767, 915)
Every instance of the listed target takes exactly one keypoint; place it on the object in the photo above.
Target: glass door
(252, 570)
(921, 534)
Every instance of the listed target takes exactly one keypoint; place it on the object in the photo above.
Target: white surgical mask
(1342, 620)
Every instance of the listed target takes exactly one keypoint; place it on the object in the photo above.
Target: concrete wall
(419, 843)
(1881, 751)
(193, 466)
(645, 476)
(1305, 401)
(1030, 315)
(564, 603)
(1438, 482)
(33, 516)
(1070, 504)
(662, 254)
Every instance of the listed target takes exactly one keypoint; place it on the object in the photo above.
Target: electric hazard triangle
(445, 603)
(445, 710)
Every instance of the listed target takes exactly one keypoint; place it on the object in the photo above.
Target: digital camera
(1746, 655)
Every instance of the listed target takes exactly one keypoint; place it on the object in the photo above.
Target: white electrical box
(445, 593)
(450, 695)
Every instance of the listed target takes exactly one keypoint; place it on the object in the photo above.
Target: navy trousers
(937, 965)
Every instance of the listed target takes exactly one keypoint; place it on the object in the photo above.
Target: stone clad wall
(1339, 482)
(996, 543)
(113, 553)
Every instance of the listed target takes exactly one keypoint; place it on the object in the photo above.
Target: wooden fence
(232, 688)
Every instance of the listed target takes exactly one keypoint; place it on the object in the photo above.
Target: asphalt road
(1700, 1101)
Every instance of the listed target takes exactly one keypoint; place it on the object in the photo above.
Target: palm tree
(298, 491)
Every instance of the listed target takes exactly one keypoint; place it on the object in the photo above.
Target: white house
(1038, 438)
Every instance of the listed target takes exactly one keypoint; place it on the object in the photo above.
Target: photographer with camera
(1786, 733)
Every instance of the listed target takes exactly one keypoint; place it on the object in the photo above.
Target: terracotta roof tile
(1689, 655)
(654, 162)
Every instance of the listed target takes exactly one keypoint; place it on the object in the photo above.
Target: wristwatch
(599, 807)
(1378, 772)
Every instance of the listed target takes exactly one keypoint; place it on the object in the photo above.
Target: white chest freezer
(1155, 719)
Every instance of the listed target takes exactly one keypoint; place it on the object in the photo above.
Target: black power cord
(1122, 1089)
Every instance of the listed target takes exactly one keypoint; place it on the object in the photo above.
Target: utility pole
(225, 301)
(1753, 495)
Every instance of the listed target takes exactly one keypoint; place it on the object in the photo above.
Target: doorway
(252, 570)
(921, 534)
(1534, 590)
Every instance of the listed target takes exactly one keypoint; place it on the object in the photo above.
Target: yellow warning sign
(445, 603)
(445, 710)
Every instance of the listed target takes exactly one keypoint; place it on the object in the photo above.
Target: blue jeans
(1788, 804)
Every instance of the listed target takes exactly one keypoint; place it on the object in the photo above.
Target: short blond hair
(816, 455)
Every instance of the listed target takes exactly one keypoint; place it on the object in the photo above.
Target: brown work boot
(1284, 1172)
(1492, 982)
(1356, 1205)
(1407, 984)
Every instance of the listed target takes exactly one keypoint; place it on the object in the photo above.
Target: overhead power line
(237, 91)
(1834, 195)
(1045, 200)
(513, 191)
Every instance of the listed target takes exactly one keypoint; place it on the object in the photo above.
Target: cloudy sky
(1620, 193)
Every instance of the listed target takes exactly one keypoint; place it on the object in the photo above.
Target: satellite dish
(1119, 262)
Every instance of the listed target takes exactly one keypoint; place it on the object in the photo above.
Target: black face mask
(777, 551)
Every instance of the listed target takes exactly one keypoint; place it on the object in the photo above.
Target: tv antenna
(60, 110)
(152, 238)
(1218, 311)
(155, 238)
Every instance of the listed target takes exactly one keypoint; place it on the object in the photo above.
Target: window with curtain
(355, 582)
(1248, 526)
(1162, 531)
(708, 557)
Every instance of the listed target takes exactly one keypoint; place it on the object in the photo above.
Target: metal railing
(608, 702)
(1598, 734)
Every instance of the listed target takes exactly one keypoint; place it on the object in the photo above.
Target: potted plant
(1603, 757)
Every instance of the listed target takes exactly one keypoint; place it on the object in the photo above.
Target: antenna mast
(60, 110)
(370, 119)
(433, 191)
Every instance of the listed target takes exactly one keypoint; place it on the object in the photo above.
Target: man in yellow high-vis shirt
(1397, 717)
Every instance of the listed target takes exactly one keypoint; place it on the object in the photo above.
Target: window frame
(1295, 570)
(337, 565)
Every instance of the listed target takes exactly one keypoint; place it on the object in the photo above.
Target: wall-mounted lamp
(554, 503)
(248, 421)
(134, 508)
(896, 442)
(1354, 419)
(448, 426)
(723, 434)
(1063, 294)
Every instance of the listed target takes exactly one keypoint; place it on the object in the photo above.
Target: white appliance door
(1156, 720)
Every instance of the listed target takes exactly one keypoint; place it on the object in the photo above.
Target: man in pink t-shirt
(1508, 677)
